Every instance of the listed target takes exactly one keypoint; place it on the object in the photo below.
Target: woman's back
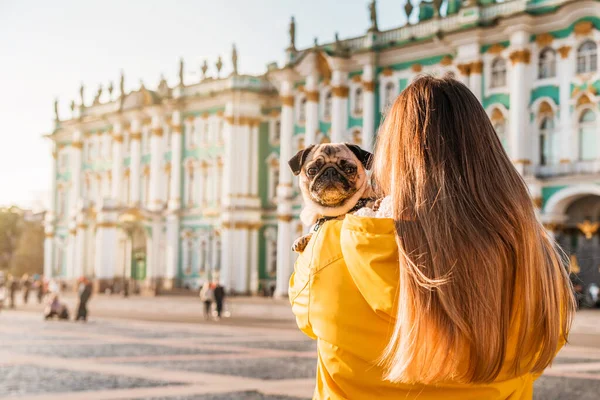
(344, 294)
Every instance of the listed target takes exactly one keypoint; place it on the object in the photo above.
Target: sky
(48, 48)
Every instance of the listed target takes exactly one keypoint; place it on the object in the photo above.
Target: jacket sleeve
(299, 295)
(371, 255)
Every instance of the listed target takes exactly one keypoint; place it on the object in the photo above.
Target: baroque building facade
(172, 186)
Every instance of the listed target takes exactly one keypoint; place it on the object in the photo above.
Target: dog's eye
(349, 170)
(311, 171)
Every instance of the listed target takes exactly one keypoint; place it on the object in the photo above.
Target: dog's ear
(298, 160)
(365, 157)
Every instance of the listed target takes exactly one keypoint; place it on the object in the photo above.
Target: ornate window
(275, 132)
(358, 101)
(587, 57)
(190, 185)
(389, 94)
(273, 182)
(206, 131)
(498, 73)
(302, 110)
(588, 136)
(547, 64)
(548, 142)
(190, 133)
(271, 251)
(327, 105)
(499, 123)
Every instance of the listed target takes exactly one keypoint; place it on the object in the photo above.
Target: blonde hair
(475, 263)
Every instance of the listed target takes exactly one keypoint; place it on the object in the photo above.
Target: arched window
(327, 105)
(499, 123)
(191, 187)
(358, 101)
(547, 64)
(588, 137)
(548, 142)
(389, 94)
(302, 110)
(270, 235)
(498, 73)
(273, 182)
(587, 57)
(277, 131)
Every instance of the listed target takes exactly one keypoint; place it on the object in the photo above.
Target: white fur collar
(384, 211)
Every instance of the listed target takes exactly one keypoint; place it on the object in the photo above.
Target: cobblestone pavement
(150, 360)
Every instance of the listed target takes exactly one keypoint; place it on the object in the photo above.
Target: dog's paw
(301, 243)
(376, 205)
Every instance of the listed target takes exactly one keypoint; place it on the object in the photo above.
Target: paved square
(125, 359)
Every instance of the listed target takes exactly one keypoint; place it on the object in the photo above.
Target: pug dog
(333, 182)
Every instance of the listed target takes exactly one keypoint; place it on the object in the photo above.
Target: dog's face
(333, 177)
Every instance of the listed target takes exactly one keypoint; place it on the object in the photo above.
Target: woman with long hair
(453, 289)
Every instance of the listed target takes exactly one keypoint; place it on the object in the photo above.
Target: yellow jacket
(343, 292)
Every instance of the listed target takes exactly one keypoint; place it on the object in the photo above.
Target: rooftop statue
(373, 16)
(293, 34)
(234, 60)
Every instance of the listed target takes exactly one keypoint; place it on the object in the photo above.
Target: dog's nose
(330, 173)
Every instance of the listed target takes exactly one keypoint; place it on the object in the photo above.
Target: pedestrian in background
(12, 287)
(85, 292)
(2, 294)
(219, 293)
(207, 297)
(26, 285)
(41, 288)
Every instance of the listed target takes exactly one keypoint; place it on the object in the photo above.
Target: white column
(76, 172)
(519, 81)
(172, 250)
(74, 196)
(246, 170)
(254, 260)
(117, 163)
(106, 242)
(80, 247)
(50, 217)
(176, 155)
(566, 66)
(368, 126)
(48, 254)
(53, 168)
(136, 159)
(312, 110)
(254, 138)
(201, 173)
(227, 239)
(156, 162)
(242, 256)
(475, 79)
(339, 117)
(284, 192)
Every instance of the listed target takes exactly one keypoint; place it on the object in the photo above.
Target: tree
(11, 225)
(28, 257)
